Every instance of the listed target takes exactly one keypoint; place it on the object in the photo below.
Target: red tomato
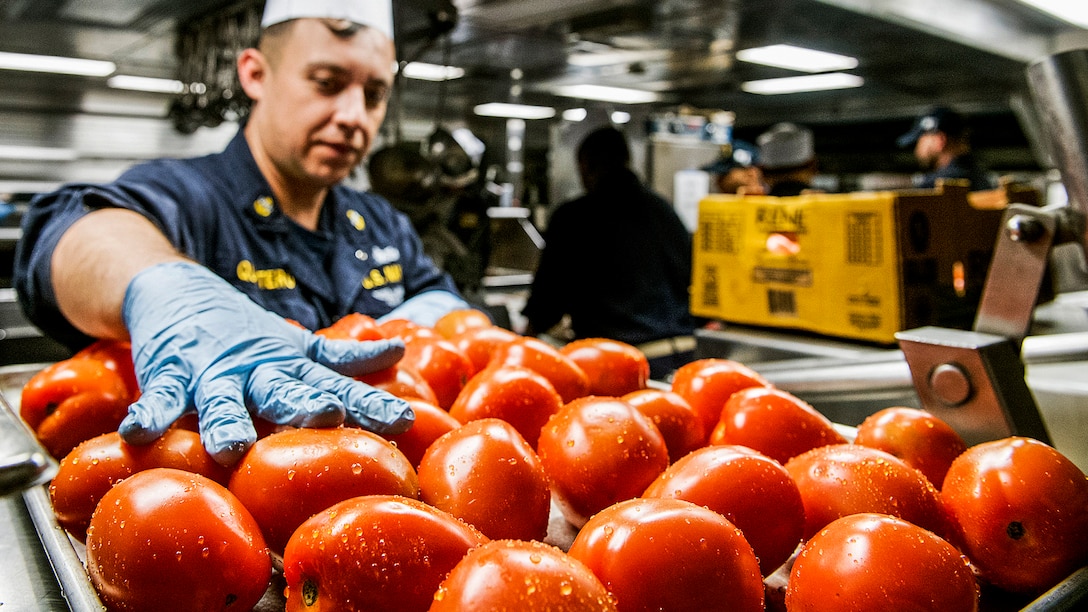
(165, 539)
(94, 466)
(522, 576)
(568, 379)
(48, 388)
(706, 384)
(844, 479)
(445, 368)
(1019, 510)
(479, 343)
(614, 368)
(516, 395)
(669, 554)
(875, 562)
(430, 424)
(457, 322)
(924, 441)
(355, 326)
(753, 491)
(288, 477)
(598, 451)
(374, 553)
(398, 328)
(402, 382)
(487, 475)
(674, 417)
(78, 418)
(117, 356)
(775, 423)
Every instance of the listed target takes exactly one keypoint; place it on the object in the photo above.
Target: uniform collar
(254, 197)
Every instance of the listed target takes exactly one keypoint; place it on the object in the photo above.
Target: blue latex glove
(426, 308)
(197, 342)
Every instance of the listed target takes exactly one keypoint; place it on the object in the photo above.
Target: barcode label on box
(781, 303)
(710, 287)
(864, 246)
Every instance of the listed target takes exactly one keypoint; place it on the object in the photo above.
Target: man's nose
(351, 108)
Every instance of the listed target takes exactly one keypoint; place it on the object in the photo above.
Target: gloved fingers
(355, 358)
(426, 308)
(225, 426)
(284, 400)
(162, 401)
(365, 406)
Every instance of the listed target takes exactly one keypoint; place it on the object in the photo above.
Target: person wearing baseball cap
(942, 146)
(738, 172)
(201, 262)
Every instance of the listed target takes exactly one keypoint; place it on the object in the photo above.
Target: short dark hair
(604, 148)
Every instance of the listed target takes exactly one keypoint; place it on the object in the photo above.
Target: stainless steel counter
(27, 583)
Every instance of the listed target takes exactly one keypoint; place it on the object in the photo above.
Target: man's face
(322, 99)
(928, 149)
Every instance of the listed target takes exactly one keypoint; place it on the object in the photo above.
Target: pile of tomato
(544, 478)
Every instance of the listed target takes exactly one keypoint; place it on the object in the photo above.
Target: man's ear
(252, 72)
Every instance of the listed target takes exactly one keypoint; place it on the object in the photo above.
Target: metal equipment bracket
(975, 380)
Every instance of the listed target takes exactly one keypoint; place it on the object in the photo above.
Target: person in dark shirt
(617, 261)
(942, 146)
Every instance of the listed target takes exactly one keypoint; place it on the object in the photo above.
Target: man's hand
(198, 343)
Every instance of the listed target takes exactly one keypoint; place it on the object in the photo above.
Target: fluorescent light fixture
(514, 111)
(149, 84)
(1075, 13)
(606, 58)
(55, 65)
(432, 72)
(796, 58)
(814, 82)
(18, 153)
(604, 93)
(620, 117)
(575, 115)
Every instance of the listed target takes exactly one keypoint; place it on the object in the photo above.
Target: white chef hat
(785, 145)
(376, 14)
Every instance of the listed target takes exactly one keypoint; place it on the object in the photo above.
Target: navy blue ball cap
(940, 119)
(742, 154)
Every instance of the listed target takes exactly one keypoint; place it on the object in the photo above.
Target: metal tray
(67, 556)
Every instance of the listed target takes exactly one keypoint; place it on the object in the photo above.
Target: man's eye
(324, 84)
(377, 95)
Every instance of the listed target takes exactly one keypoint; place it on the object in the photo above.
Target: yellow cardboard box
(857, 265)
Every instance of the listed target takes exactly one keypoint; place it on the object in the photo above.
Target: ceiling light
(149, 84)
(815, 82)
(620, 117)
(1075, 13)
(607, 94)
(55, 65)
(575, 114)
(605, 58)
(18, 153)
(796, 58)
(432, 72)
(514, 111)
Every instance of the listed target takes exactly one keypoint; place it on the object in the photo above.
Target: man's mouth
(341, 148)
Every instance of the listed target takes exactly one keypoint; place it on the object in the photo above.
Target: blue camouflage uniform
(219, 210)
